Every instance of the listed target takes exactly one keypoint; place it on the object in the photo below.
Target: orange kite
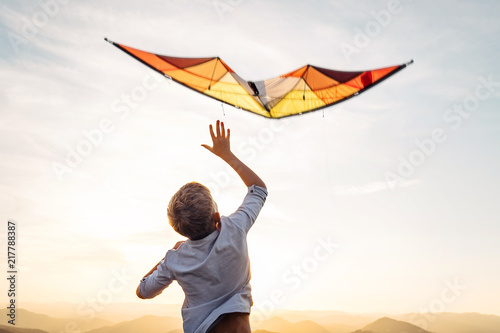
(306, 89)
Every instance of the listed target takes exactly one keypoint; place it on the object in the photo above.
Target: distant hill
(28, 319)
(388, 325)
(12, 329)
(339, 328)
(280, 325)
(146, 324)
(333, 321)
(446, 322)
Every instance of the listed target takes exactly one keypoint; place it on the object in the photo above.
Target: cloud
(354, 190)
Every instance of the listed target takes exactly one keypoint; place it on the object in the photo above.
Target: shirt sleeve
(153, 284)
(245, 216)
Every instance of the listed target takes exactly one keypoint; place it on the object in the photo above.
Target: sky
(387, 202)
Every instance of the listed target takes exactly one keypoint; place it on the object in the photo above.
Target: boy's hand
(222, 149)
(176, 246)
(221, 146)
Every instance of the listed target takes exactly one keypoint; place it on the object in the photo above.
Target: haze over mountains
(28, 319)
(128, 318)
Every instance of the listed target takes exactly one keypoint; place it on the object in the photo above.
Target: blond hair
(191, 211)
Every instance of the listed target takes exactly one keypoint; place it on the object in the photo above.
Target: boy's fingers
(207, 147)
(228, 133)
(223, 132)
(217, 127)
(211, 132)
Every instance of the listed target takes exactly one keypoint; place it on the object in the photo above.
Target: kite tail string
(327, 159)
(222, 106)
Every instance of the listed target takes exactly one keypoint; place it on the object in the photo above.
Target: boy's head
(192, 212)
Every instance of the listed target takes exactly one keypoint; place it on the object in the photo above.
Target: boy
(212, 266)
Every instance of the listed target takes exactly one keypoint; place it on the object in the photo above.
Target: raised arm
(221, 147)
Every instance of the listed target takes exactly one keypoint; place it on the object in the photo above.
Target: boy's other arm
(221, 148)
(138, 290)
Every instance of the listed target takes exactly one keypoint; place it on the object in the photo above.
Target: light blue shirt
(214, 272)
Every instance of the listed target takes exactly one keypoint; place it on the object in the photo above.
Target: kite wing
(306, 89)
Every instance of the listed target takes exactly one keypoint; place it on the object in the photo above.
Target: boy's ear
(217, 220)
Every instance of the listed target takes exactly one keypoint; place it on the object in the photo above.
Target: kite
(306, 89)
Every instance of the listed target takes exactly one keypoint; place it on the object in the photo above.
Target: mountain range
(281, 321)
